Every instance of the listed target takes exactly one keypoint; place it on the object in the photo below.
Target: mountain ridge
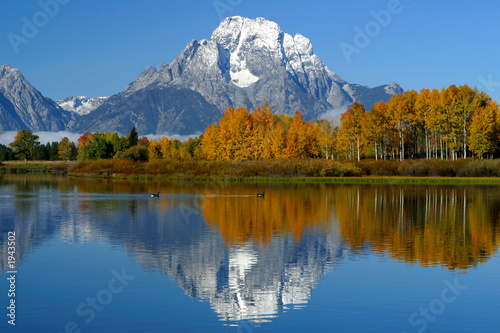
(24, 107)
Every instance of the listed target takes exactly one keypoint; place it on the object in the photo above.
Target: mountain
(24, 107)
(151, 110)
(246, 62)
(80, 104)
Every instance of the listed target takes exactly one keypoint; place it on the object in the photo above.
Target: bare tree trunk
(465, 141)
(402, 153)
(358, 150)
(441, 143)
(426, 145)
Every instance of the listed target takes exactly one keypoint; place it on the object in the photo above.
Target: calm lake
(103, 256)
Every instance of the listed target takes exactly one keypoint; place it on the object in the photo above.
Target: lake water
(103, 256)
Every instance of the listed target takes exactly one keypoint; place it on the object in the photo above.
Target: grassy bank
(431, 168)
(53, 167)
(306, 170)
(201, 169)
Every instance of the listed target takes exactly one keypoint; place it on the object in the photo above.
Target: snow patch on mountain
(243, 77)
(393, 89)
(80, 104)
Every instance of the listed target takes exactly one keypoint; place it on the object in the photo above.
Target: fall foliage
(240, 135)
(448, 124)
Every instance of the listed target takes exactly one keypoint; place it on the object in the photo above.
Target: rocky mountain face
(152, 110)
(80, 104)
(24, 107)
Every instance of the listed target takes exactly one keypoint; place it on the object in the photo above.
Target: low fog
(45, 137)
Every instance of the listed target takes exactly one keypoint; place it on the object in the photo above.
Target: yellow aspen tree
(165, 147)
(350, 132)
(154, 151)
(484, 134)
(210, 143)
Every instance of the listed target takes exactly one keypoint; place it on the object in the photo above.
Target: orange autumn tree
(235, 129)
(277, 142)
(84, 146)
(302, 138)
(350, 133)
(210, 142)
(263, 121)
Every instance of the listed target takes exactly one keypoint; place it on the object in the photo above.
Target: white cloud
(8, 137)
(181, 138)
(333, 113)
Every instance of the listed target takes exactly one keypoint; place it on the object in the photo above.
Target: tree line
(26, 146)
(451, 123)
(456, 122)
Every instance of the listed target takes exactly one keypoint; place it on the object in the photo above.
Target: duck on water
(155, 195)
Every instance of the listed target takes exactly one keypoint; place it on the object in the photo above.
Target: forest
(448, 124)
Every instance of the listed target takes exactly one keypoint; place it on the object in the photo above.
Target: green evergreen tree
(6, 153)
(133, 137)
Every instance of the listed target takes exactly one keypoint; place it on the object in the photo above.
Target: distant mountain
(24, 107)
(151, 110)
(80, 104)
(245, 63)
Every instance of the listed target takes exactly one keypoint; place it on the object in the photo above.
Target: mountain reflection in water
(251, 257)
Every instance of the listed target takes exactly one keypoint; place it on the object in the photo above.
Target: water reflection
(455, 227)
(250, 257)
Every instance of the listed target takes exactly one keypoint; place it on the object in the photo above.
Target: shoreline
(362, 180)
(24, 167)
(69, 168)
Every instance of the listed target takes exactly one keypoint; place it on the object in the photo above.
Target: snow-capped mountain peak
(235, 31)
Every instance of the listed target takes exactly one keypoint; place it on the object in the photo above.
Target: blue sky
(97, 47)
